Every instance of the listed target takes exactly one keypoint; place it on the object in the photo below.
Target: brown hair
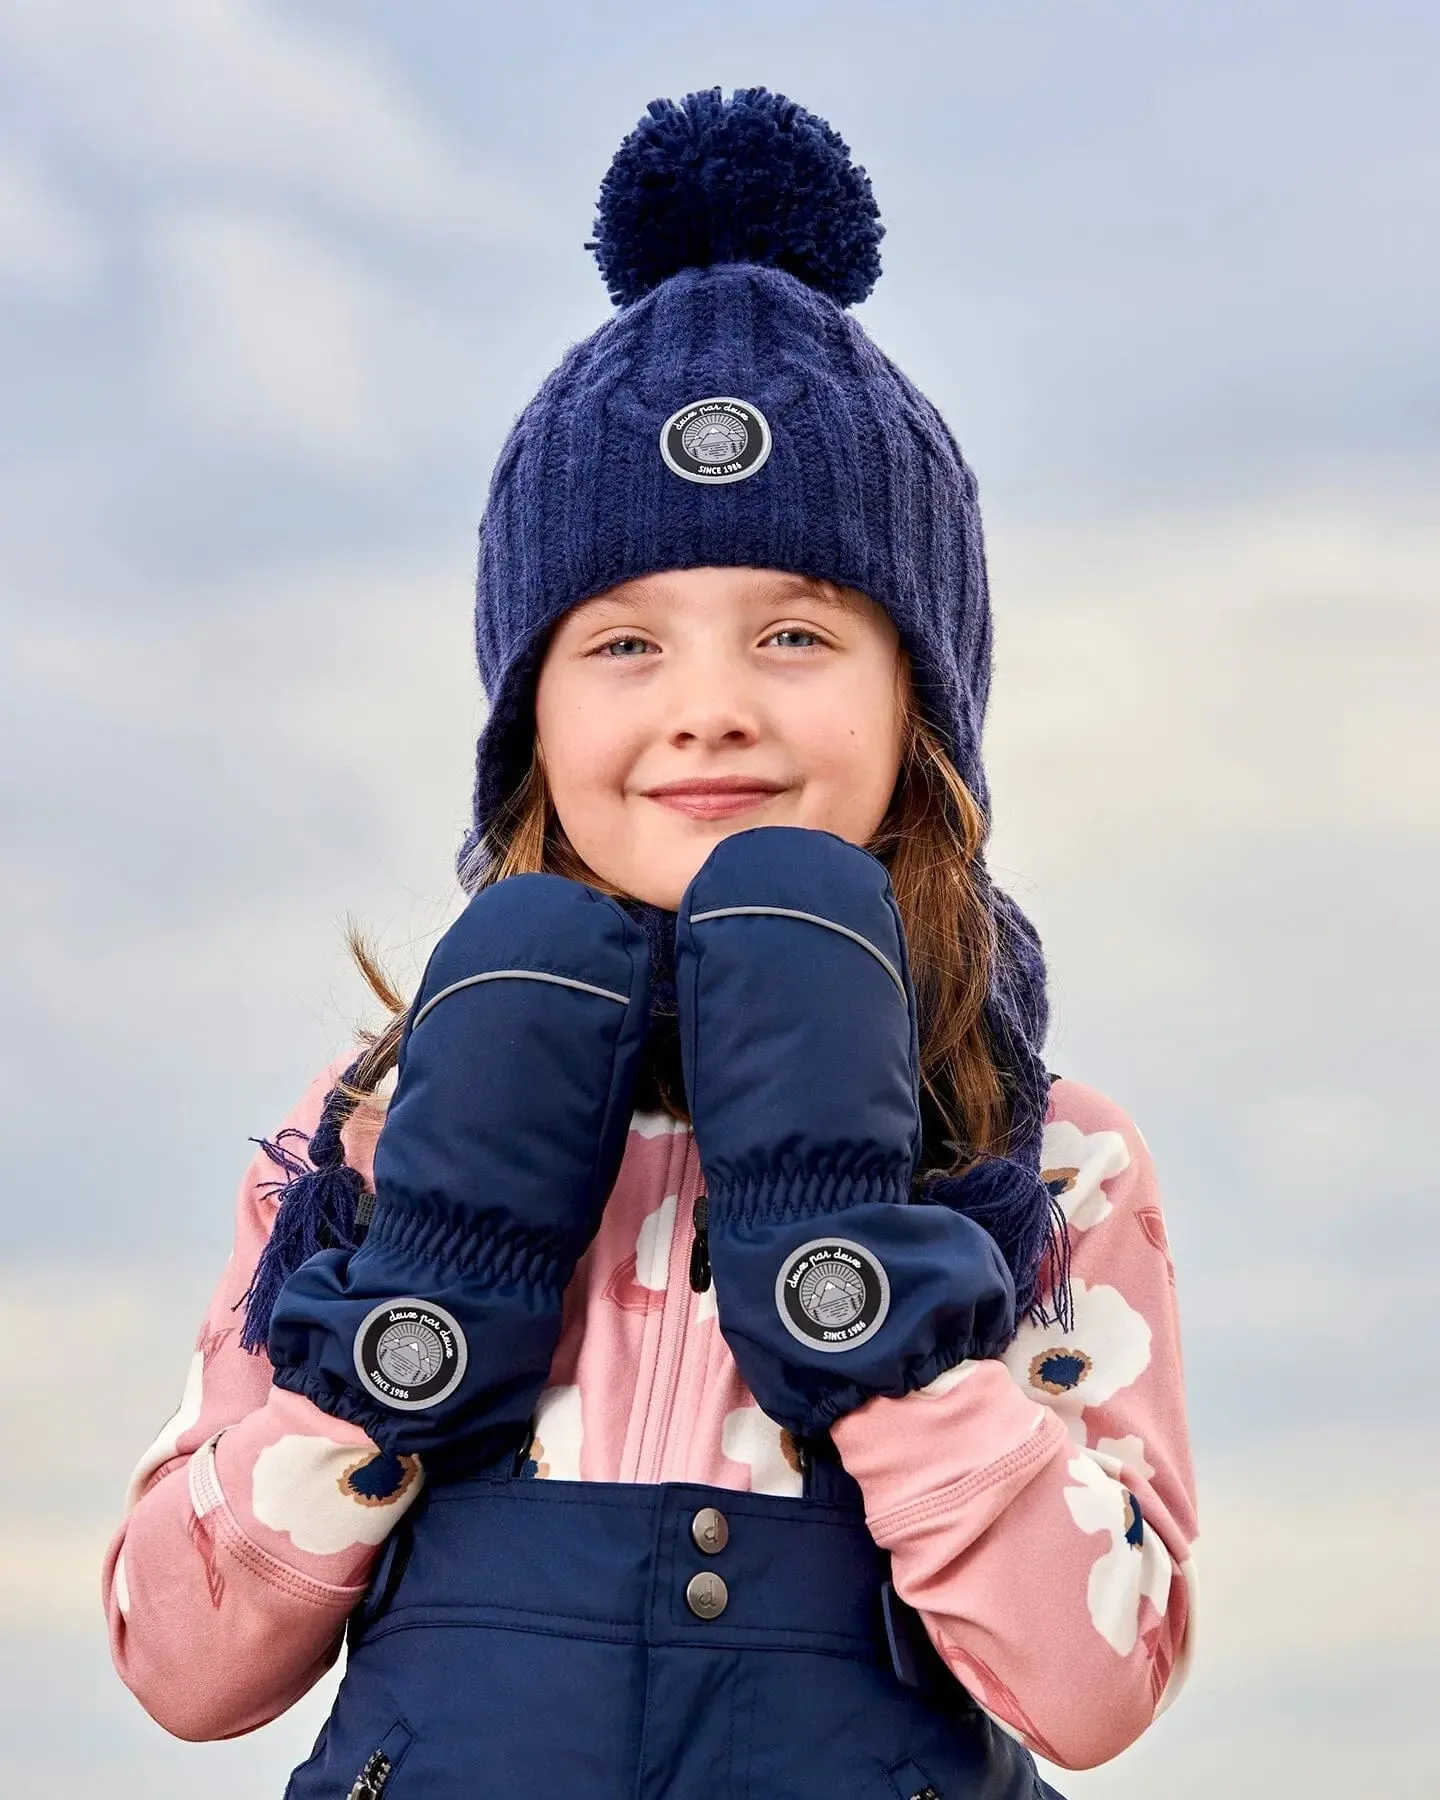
(931, 841)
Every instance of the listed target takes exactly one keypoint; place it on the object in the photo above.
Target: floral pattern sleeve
(1040, 1509)
(252, 1521)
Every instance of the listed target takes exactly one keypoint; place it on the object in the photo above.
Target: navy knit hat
(732, 413)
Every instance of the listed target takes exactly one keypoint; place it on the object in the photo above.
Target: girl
(736, 1367)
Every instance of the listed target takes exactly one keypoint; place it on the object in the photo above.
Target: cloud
(318, 722)
(290, 242)
(48, 247)
(193, 803)
(1210, 735)
(1292, 1570)
(1320, 1137)
(242, 92)
(271, 336)
(291, 348)
(1217, 671)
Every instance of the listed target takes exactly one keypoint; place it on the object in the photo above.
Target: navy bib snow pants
(527, 1637)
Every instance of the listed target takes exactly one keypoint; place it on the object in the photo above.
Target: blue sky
(273, 282)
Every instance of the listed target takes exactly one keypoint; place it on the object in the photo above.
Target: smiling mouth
(721, 798)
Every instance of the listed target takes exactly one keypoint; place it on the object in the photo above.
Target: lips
(716, 796)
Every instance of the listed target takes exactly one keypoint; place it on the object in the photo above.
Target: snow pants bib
(526, 1637)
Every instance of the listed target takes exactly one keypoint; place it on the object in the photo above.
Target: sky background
(274, 280)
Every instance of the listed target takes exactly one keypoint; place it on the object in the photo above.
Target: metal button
(706, 1595)
(710, 1530)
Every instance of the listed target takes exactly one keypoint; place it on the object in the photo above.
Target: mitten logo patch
(716, 440)
(832, 1294)
(410, 1354)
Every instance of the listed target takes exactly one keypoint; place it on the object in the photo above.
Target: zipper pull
(373, 1779)
(700, 1249)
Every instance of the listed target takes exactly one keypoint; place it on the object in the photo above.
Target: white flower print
(1104, 1350)
(1075, 1165)
(1185, 1657)
(752, 1437)
(186, 1414)
(328, 1497)
(638, 1283)
(950, 1378)
(655, 1124)
(1125, 1453)
(120, 1586)
(1136, 1567)
(559, 1432)
(652, 1245)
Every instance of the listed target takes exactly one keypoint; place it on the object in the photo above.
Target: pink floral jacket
(1008, 1492)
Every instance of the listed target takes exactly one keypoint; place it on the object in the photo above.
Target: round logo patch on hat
(716, 440)
(410, 1354)
(832, 1294)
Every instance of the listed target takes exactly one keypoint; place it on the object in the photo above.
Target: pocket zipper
(910, 1782)
(370, 1783)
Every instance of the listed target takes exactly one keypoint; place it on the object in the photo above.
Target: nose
(713, 709)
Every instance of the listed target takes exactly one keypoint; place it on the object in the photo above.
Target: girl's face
(679, 708)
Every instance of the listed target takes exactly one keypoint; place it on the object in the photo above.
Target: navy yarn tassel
(319, 1209)
(1014, 1205)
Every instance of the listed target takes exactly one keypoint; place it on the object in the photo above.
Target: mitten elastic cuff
(880, 1301)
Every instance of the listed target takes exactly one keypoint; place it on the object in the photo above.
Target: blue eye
(792, 632)
(621, 649)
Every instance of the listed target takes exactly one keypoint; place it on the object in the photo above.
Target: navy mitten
(501, 1144)
(800, 1045)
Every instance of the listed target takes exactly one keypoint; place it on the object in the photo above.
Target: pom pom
(752, 179)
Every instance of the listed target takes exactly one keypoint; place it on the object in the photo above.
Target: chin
(667, 897)
(658, 881)
(659, 874)
(663, 880)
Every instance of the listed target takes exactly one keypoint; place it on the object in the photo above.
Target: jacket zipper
(653, 1462)
(688, 1273)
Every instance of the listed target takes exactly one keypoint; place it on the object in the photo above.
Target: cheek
(587, 745)
(850, 744)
